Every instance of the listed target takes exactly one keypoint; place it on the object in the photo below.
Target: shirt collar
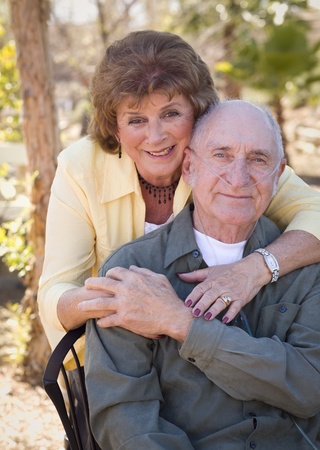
(119, 178)
(181, 240)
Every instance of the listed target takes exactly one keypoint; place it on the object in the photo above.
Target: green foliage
(262, 44)
(15, 250)
(274, 63)
(10, 103)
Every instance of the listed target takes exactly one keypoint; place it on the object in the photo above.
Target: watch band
(271, 262)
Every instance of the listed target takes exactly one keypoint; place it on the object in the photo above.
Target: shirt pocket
(275, 320)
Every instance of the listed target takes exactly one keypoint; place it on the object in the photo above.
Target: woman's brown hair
(139, 64)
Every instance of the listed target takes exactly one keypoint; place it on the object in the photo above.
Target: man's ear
(186, 165)
(282, 166)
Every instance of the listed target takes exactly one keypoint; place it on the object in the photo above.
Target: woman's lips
(164, 152)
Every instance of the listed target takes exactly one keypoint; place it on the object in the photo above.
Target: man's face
(234, 171)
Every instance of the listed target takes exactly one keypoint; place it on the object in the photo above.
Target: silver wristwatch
(271, 263)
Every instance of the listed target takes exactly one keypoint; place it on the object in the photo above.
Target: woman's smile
(163, 152)
(155, 134)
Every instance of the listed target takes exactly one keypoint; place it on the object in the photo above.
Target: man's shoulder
(139, 251)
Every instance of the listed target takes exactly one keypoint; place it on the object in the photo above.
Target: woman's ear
(186, 165)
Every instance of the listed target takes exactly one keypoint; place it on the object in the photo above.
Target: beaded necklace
(167, 192)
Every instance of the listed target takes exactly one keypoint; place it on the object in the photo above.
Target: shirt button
(253, 444)
(195, 254)
(282, 309)
(191, 360)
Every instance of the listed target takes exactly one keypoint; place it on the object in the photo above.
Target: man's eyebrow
(212, 146)
(260, 152)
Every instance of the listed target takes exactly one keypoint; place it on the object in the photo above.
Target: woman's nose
(155, 132)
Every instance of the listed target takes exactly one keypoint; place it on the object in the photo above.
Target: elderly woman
(124, 180)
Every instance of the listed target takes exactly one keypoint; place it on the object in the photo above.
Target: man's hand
(142, 302)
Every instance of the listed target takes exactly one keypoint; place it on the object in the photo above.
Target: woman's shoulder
(84, 148)
(81, 156)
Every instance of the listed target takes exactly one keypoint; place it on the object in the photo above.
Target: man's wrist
(181, 326)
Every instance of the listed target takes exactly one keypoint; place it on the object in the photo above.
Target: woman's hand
(71, 316)
(240, 281)
(142, 301)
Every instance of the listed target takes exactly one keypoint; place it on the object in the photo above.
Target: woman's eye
(136, 121)
(172, 114)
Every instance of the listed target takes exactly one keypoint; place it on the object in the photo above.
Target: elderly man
(160, 378)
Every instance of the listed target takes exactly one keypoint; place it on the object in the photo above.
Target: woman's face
(154, 134)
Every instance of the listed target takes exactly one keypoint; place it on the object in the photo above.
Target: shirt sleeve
(281, 368)
(124, 393)
(296, 206)
(69, 249)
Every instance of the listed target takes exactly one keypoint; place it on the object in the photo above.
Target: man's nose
(155, 132)
(239, 174)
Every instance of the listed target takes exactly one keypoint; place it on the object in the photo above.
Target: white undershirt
(153, 226)
(216, 252)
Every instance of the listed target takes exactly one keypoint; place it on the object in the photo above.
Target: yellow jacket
(96, 205)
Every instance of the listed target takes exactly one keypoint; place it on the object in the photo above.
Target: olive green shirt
(222, 389)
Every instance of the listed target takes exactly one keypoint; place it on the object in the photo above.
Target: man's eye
(258, 160)
(219, 156)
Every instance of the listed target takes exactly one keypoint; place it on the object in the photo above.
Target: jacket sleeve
(124, 393)
(281, 368)
(296, 206)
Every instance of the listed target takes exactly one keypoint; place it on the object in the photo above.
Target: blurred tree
(29, 23)
(283, 59)
(113, 17)
(262, 44)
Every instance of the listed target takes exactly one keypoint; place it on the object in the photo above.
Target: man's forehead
(244, 126)
(237, 113)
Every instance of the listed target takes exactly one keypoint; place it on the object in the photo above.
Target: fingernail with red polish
(161, 336)
(225, 320)
(208, 315)
(188, 302)
(196, 312)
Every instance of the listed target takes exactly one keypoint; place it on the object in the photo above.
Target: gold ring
(226, 299)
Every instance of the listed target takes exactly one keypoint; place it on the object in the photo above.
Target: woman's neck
(158, 201)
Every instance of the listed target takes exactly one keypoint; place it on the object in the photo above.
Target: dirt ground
(28, 420)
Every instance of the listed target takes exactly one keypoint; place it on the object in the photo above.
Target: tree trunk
(29, 23)
(232, 88)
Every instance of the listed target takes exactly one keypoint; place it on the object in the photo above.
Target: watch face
(271, 263)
